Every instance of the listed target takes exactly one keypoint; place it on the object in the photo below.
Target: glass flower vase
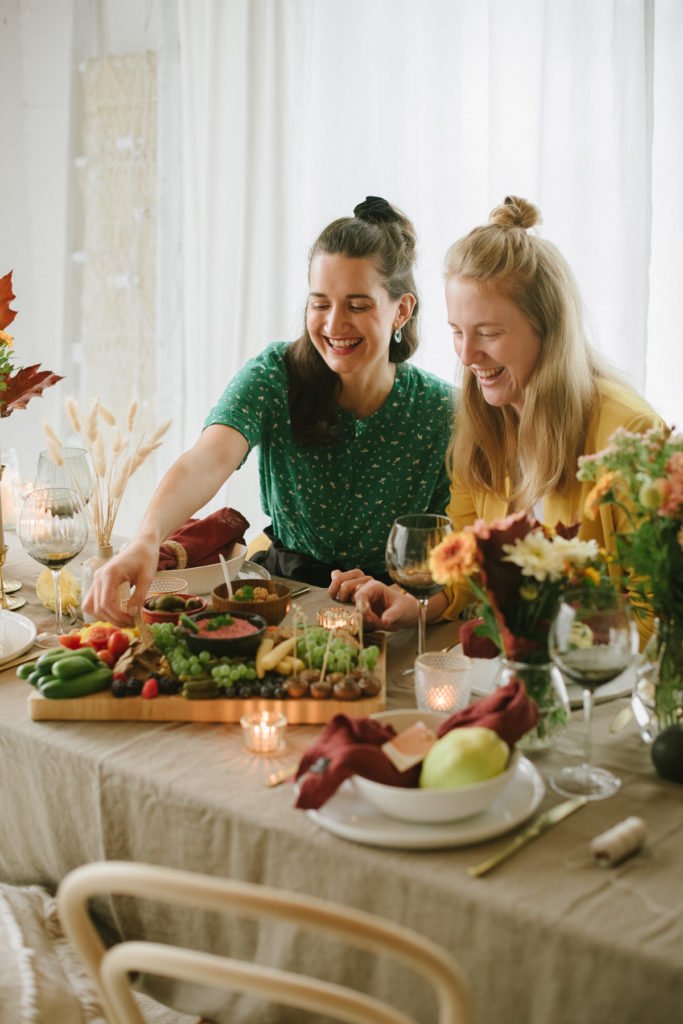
(545, 685)
(658, 693)
(88, 569)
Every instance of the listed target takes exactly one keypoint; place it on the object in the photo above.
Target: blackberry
(280, 693)
(119, 688)
(134, 687)
(167, 685)
(267, 690)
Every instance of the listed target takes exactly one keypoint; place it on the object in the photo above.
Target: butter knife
(532, 831)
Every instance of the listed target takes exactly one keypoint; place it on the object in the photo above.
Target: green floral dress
(337, 502)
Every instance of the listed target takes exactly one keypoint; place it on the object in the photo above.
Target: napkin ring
(179, 551)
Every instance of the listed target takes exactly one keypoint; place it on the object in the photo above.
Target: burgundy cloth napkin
(348, 746)
(351, 746)
(204, 539)
(475, 646)
(508, 711)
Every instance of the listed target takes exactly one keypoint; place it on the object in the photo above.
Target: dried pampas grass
(114, 459)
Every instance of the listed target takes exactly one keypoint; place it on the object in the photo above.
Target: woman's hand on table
(385, 607)
(135, 565)
(345, 584)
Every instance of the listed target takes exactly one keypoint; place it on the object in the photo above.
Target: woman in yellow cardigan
(535, 398)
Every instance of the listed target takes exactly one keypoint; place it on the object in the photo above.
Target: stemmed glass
(53, 529)
(74, 472)
(410, 542)
(592, 639)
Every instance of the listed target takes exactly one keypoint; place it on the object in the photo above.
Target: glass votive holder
(339, 617)
(442, 681)
(263, 732)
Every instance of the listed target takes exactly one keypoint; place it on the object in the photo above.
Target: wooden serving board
(103, 707)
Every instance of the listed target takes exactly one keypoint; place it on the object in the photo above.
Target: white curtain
(292, 111)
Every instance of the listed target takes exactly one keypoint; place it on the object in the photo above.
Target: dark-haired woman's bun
(515, 212)
(375, 210)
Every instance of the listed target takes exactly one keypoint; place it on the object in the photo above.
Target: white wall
(35, 57)
(41, 44)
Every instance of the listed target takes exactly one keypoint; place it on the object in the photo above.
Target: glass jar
(658, 693)
(545, 685)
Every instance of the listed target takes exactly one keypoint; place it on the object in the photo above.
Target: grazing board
(104, 707)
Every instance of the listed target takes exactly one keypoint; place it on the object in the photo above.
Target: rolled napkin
(473, 645)
(508, 711)
(351, 746)
(348, 746)
(200, 541)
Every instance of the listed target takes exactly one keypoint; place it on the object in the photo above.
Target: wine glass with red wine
(410, 542)
(53, 529)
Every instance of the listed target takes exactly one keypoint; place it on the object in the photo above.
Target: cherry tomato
(98, 636)
(71, 640)
(117, 643)
(107, 657)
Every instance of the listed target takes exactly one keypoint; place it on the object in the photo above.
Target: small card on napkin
(410, 746)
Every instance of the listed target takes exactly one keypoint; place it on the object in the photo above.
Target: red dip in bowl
(240, 636)
(238, 627)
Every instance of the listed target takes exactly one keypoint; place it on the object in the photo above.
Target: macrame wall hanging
(117, 174)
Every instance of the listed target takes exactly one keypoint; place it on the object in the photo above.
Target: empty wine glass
(53, 529)
(410, 542)
(73, 472)
(593, 639)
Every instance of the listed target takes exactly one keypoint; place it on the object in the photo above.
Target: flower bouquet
(518, 570)
(642, 475)
(17, 388)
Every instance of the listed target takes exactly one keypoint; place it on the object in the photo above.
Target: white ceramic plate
(17, 634)
(483, 672)
(347, 815)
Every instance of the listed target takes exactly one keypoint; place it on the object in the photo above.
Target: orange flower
(6, 339)
(597, 493)
(455, 558)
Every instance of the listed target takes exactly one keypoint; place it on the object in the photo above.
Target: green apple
(463, 756)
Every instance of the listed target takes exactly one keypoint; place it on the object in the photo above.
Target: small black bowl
(226, 646)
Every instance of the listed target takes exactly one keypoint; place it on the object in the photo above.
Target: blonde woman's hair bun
(515, 212)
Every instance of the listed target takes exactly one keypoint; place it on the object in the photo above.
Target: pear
(464, 756)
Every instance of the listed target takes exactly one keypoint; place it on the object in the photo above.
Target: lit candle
(8, 501)
(263, 732)
(338, 618)
(441, 698)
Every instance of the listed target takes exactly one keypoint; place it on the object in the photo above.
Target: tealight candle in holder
(339, 617)
(442, 681)
(263, 732)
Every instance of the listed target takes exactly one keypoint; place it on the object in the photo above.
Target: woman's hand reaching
(135, 565)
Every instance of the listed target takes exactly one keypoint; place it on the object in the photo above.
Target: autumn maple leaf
(7, 315)
(25, 384)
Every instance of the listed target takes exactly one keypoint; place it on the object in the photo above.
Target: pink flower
(673, 486)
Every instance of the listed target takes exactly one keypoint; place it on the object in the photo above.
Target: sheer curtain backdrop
(294, 110)
(275, 116)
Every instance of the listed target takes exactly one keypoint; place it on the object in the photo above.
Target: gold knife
(532, 831)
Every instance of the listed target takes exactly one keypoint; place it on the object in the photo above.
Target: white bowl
(201, 579)
(430, 805)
